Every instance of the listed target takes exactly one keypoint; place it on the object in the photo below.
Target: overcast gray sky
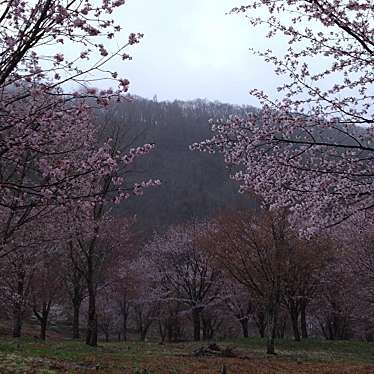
(193, 49)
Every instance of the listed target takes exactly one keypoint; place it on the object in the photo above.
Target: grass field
(312, 356)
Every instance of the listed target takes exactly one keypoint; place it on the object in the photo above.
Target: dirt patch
(215, 350)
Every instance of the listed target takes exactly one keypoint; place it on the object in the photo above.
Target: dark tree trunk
(196, 319)
(244, 324)
(323, 329)
(124, 317)
(162, 328)
(208, 328)
(18, 310)
(205, 329)
(271, 329)
(17, 321)
(260, 320)
(270, 348)
(304, 330)
(124, 327)
(76, 324)
(77, 294)
(144, 331)
(91, 279)
(91, 336)
(294, 314)
(261, 331)
(143, 322)
(43, 318)
(273, 303)
(43, 329)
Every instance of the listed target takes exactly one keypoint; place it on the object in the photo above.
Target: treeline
(240, 273)
(243, 274)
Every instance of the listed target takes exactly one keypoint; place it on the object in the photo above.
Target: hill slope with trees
(194, 185)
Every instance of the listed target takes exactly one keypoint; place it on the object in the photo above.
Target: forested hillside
(194, 184)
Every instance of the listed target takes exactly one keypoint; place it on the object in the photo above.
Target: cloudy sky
(193, 49)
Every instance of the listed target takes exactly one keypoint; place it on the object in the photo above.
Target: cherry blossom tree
(145, 312)
(238, 301)
(49, 154)
(94, 245)
(338, 303)
(212, 319)
(355, 238)
(47, 136)
(17, 272)
(74, 284)
(108, 318)
(33, 34)
(171, 318)
(120, 276)
(46, 290)
(311, 148)
(54, 160)
(22, 264)
(124, 290)
(183, 271)
(358, 254)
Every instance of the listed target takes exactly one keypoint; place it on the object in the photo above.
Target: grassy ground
(56, 356)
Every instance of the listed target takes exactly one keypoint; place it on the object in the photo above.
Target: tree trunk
(330, 329)
(196, 324)
(294, 314)
(270, 349)
(143, 333)
(260, 320)
(17, 311)
(261, 331)
(77, 295)
(205, 328)
(244, 324)
(125, 317)
(76, 312)
(323, 329)
(270, 330)
(91, 336)
(163, 331)
(43, 318)
(17, 321)
(273, 302)
(43, 328)
(124, 327)
(304, 330)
